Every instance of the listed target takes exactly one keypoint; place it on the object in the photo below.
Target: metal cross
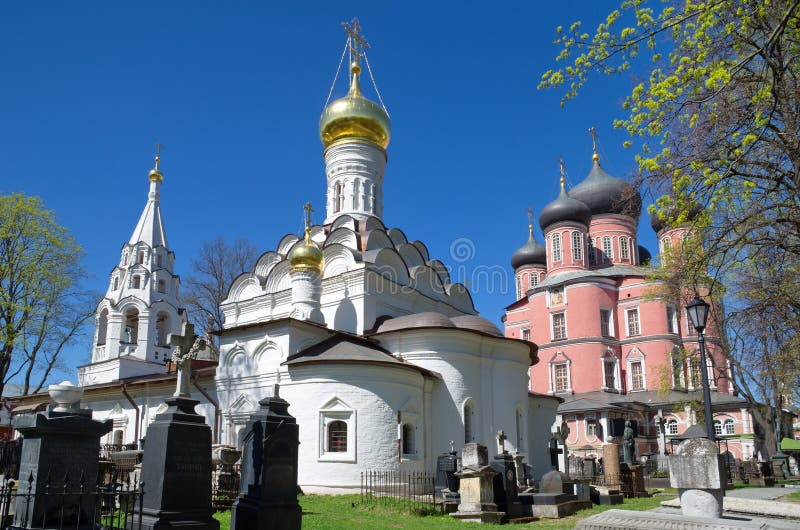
(309, 210)
(530, 215)
(357, 41)
(594, 139)
(562, 168)
(159, 145)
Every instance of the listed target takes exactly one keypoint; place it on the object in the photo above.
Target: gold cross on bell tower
(357, 41)
(159, 145)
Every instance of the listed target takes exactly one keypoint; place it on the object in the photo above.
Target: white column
(306, 292)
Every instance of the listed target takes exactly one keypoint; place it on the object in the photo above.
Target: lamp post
(698, 313)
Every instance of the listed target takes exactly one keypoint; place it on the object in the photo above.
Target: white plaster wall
(541, 416)
(375, 393)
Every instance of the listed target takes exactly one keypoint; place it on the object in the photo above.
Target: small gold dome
(354, 116)
(155, 174)
(306, 256)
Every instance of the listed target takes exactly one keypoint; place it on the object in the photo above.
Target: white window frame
(717, 428)
(610, 314)
(533, 279)
(729, 422)
(636, 356)
(628, 312)
(412, 420)
(672, 323)
(554, 368)
(671, 427)
(555, 245)
(642, 386)
(519, 288)
(577, 249)
(524, 332)
(553, 327)
(624, 249)
(609, 358)
(337, 410)
(608, 248)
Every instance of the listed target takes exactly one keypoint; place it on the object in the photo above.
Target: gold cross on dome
(561, 168)
(357, 41)
(309, 210)
(530, 215)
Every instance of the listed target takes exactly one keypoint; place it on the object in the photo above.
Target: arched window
(408, 439)
(337, 437)
(140, 257)
(116, 282)
(520, 424)
(555, 241)
(338, 199)
(162, 286)
(136, 282)
(717, 428)
(162, 329)
(519, 287)
(728, 427)
(607, 250)
(672, 427)
(356, 192)
(130, 331)
(695, 373)
(610, 371)
(102, 327)
(666, 245)
(533, 280)
(624, 249)
(372, 198)
(468, 417)
(577, 246)
(591, 251)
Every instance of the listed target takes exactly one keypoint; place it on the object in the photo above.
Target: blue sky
(234, 91)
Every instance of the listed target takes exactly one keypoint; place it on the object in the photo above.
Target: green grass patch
(791, 497)
(333, 512)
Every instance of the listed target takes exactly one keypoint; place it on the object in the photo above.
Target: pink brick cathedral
(605, 347)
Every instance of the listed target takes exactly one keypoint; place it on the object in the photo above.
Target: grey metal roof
(432, 319)
(346, 349)
(528, 254)
(605, 272)
(564, 208)
(599, 400)
(605, 194)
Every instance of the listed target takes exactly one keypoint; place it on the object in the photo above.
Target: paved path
(759, 493)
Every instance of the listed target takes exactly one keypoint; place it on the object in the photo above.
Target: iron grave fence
(63, 505)
(411, 491)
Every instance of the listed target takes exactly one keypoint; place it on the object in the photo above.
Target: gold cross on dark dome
(530, 214)
(594, 139)
(357, 41)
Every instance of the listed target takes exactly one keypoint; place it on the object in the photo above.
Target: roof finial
(561, 169)
(357, 44)
(529, 210)
(595, 156)
(155, 173)
(309, 210)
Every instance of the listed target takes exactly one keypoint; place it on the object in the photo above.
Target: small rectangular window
(562, 384)
(637, 379)
(526, 334)
(609, 367)
(559, 326)
(633, 322)
(671, 324)
(605, 322)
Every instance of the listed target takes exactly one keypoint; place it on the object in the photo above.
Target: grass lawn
(344, 512)
(791, 497)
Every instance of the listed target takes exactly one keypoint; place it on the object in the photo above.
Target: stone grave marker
(476, 486)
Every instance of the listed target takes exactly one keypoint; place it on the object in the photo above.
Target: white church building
(383, 359)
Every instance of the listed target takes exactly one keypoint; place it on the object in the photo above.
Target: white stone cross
(187, 346)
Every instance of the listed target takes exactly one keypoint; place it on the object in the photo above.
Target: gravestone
(60, 453)
(505, 482)
(268, 487)
(176, 465)
(476, 486)
(697, 470)
(556, 497)
(446, 484)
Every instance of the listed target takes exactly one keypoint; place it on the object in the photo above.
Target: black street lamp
(698, 313)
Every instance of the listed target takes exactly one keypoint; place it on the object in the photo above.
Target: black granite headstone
(268, 487)
(505, 486)
(60, 453)
(176, 470)
(446, 481)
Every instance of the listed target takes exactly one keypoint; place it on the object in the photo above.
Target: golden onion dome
(155, 174)
(306, 256)
(354, 116)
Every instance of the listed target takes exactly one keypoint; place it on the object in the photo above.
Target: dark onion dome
(605, 194)
(531, 253)
(564, 208)
(644, 255)
(660, 224)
